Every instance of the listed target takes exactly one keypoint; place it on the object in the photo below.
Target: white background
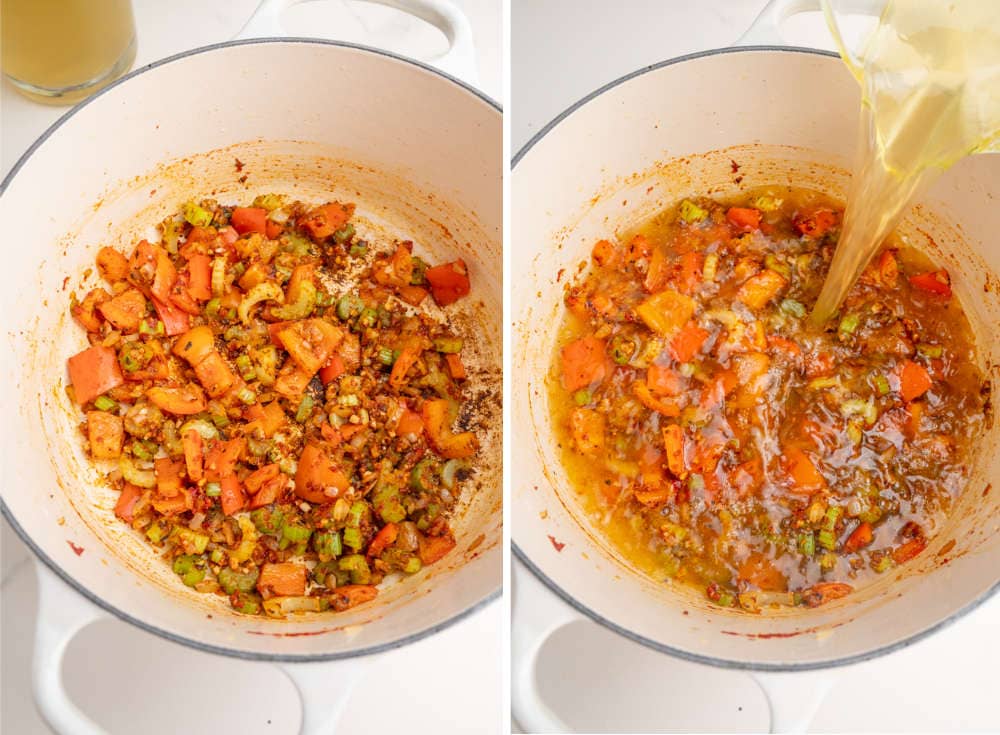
(561, 50)
(132, 682)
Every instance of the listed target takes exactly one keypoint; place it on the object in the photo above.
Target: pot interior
(789, 117)
(351, 143)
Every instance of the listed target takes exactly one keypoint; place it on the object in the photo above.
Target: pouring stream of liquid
(930, 80)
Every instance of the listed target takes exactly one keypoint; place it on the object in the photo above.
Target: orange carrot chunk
(914, 380)
(94, 372)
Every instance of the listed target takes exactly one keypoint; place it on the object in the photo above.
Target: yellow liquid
(62, 50)
(930, 80)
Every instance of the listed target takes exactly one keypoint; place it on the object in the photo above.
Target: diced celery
(448, 345)
(305, 408)
(197, 216)
(582, 397)
(352, 538)
(691, 212)
(711, 267)
(193, 542)
(807, 544)
(793, 308)
(328, 544)
(827, 539)
(213, 489)
(413, 565)
(849, 323)
(103, 403)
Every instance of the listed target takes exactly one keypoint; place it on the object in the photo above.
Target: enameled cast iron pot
(676, 129)
(420, 154)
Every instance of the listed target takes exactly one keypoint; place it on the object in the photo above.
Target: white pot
(785, 116)
(420, 154)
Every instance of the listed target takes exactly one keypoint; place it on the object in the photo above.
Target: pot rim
(738, 664)
(68, 578)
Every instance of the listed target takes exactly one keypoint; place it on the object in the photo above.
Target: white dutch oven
(783, 116)
(420, 154)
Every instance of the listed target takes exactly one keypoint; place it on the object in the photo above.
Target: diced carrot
(181, 297)
(787, 346)
(759, 572)
(183, 401)
(200, 276)
(230, 300)
(860, 537)
(934, 282)
(202, 234)
(112, 264)
(258, 478)
(663, 380)
(815, 223)
(413, 295)
(447, 444)
(292, 381)
(744, 217)
(193, 460)
(666, 312)
(125, 310)
(317, 479)
(125, 506)
(332, 370)
(667, 408)
(408, 356)
(84, 312)
(195, 345)
(449, 282)
(215, 375)
(914, 380)
(655, 495)
(106, 434)
(757, 291)
(656, 274)
(284, 579)
(386, 536)
(249, 219)
(888, 269)
(168, 477)
(175, 321)
(273, 230)
(323, 221)
(583, 363)
(824, 592)
(410, 422)
(604, 253)
(587, 428)
(222, 458)
(310, 343)
(94, 372)
(347, 596)
(268, 418)
(689, 271)
(232, 498)
(673, 445)
(455, 367)
(805, 477)
(150, 267)
(433, 548)
(688, 342)
(909, 550)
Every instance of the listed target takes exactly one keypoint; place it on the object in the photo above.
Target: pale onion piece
(278, 607)
(266, 291)
(242, 552)
(131, 473)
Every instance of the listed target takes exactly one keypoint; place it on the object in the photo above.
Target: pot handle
(62, 613)
(536, 613)
(795, 697)
(459, 60)
(324, 689)
(766, 28)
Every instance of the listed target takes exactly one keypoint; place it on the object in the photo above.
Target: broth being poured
(930, 79)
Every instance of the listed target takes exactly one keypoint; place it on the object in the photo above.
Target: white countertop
(561, 50)
(448, 683)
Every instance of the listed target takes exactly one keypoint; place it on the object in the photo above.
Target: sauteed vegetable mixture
(724, 442)
(277, 403)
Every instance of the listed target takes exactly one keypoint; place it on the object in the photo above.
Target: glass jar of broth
(60, 51)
